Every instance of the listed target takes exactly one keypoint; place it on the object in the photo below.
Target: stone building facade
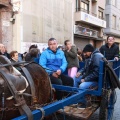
(39, 20)
(5, 24)
(89, 22)
(112, 14)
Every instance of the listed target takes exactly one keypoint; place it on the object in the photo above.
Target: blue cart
(103, 97)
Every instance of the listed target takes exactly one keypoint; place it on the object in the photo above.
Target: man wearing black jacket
(110, 50)
(88, 76)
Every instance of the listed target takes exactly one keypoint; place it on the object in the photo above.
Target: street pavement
(116, 114)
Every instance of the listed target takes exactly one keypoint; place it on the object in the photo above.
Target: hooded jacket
(53, 61)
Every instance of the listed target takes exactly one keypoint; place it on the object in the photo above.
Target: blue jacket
(53, 61)
(91, 70)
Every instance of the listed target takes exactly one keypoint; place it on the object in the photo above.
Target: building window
(77, 5)
(114, 22)
(107, 20)
(119, 23)
(114, 2)
(84, 7)
(100, 13)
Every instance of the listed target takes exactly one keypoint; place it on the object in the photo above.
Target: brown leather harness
(20, 101)
(31, 83)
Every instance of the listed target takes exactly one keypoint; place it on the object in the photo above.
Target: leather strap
(30, 80)
(9, 64)
(20, 102)
(43, 112)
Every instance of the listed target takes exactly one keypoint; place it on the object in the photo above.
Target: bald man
(3, 51)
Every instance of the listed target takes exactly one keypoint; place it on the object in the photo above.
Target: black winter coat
(110, 53)
(91, 70)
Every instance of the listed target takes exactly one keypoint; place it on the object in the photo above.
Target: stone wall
(43, 19)
(5, 24)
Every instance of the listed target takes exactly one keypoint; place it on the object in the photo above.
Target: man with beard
(88, 76)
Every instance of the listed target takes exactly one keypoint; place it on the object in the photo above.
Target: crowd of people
(56, 59)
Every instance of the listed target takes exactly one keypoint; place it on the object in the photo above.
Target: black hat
(88, 48)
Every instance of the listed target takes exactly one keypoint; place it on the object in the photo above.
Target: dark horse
(8, 108)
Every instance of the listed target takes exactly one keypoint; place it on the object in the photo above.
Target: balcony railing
(85, 31)
(93, 14)
(4, 3)
(82, 9)
(101, 17)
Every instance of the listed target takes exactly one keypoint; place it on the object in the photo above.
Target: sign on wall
(5, 23)
(93, 20)
(25, 46)
(41, 46)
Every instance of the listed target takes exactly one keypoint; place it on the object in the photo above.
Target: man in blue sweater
(54, 62)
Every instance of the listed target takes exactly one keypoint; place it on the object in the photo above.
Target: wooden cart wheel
(107, 105)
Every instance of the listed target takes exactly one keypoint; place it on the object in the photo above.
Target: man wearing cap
(88, 76)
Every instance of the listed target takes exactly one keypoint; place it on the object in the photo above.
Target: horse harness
(20, 101)
(30, 80)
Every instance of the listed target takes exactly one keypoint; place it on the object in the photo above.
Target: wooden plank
(75, 112)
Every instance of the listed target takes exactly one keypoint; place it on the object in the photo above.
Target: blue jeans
(84, 85)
